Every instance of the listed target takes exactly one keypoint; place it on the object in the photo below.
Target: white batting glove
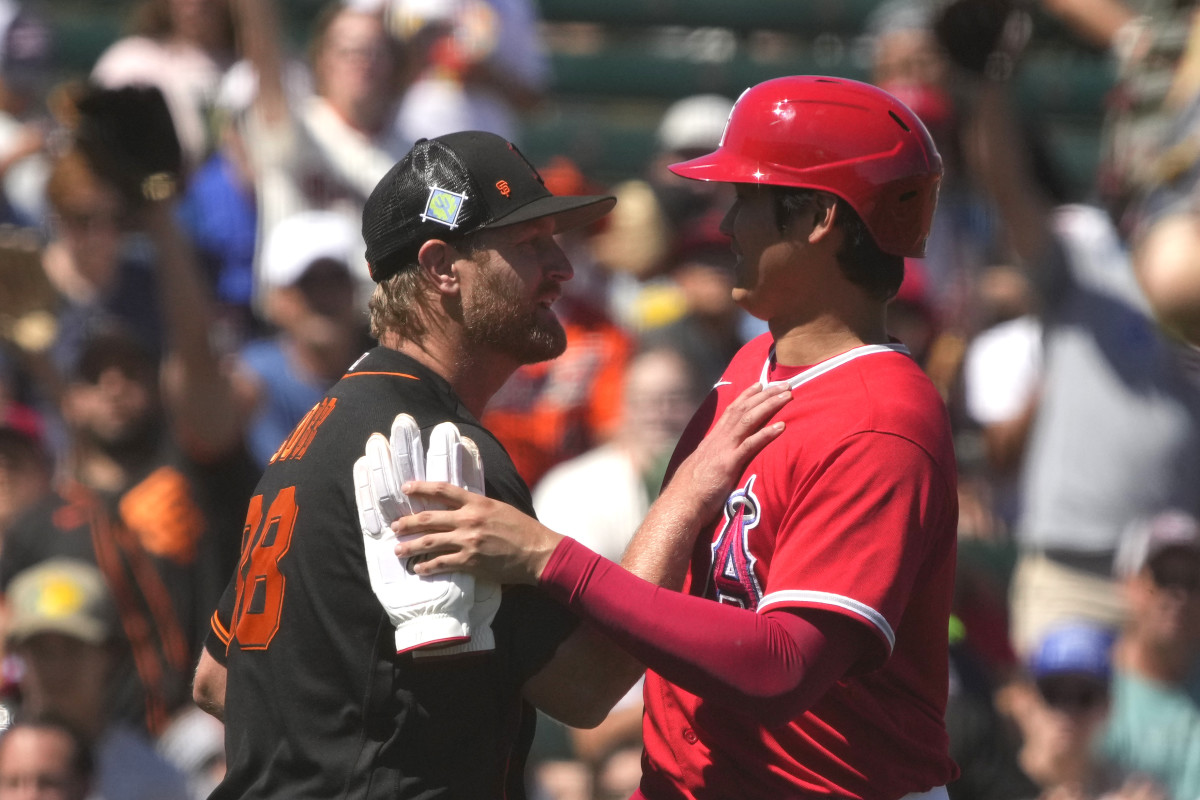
(427, 611)
(455, 459)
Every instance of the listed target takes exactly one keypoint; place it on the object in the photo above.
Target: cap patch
(443, 207)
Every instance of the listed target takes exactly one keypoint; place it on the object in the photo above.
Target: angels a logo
(733, 579)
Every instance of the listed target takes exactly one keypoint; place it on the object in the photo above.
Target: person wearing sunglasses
(1061, 708)
(1154, 725)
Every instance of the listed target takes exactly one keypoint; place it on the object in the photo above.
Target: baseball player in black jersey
(318, 697)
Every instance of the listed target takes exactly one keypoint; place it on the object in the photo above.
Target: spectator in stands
(25, 471)
(24, 61)
(689, 127)
(156, 512)
(479, 64)
(325, 149)
(44, 758)
(1001, 377)
(1154, 55)
(1061, 709)
(319, 330)
(183, 48)
(907, 61)
(1154, 727)
(63, 626)
(154, 473)
(219, 211)
(1117, 431)
(701, 321)
(101, 279)
(983, 742)
(660, 394)
(654, 211)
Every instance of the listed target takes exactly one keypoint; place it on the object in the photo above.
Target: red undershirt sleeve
(773, 666)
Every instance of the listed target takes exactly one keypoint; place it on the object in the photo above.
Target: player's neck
(473, 380)
(814, 340)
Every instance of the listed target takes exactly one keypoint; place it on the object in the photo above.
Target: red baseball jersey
(853, 510)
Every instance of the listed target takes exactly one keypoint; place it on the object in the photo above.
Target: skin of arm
(590, 673)
(257, 23)
(993, 146)
(208, 687)
(194, 381)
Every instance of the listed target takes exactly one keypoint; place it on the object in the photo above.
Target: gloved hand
(442, 613)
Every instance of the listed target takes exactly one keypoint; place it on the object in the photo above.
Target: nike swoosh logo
(722, 383)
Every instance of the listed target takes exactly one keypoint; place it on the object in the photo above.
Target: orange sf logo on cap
(503, 187)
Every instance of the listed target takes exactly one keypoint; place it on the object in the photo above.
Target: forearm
(257, 24)
(772, 666)
(661, 548)
(1006, 173)
(208, 688)
(199, 393)
(591, 663)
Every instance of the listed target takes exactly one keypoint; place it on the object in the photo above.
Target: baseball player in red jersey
(806, 653)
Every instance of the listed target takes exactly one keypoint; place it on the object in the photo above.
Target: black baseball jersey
(318, 704)
(165, 544)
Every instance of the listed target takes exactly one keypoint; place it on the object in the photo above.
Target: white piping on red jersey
(831, 364)
(829, 599)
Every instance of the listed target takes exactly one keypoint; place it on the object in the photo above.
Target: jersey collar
(829, 365)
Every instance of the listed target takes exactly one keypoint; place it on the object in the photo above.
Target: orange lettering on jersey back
(299, 439)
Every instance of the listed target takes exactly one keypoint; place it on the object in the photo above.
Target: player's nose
(555, 264)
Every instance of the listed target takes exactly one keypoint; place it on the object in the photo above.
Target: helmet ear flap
(835, 135)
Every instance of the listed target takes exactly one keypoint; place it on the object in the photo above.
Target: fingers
(390, 502)
(435, 495)
(369, 518)
(431, 553)
(754, 406)
(472, 467)
(758, 440)
(408, 454)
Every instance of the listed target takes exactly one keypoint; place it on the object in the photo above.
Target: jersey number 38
(260, 584)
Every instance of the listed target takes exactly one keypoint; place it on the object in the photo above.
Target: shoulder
(503, 481)
(886, 394)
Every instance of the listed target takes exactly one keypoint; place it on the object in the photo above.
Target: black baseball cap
(453, 185)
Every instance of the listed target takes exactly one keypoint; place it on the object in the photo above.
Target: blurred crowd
(182, 277)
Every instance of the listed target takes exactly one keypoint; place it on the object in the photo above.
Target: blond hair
(400, 304)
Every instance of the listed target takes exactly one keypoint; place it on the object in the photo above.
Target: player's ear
(437, 258)
(824, 212)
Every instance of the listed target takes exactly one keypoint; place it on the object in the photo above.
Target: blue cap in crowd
(1075, 648)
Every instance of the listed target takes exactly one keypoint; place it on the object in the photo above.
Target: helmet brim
(711, 167)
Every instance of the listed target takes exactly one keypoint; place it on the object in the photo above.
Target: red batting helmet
(840, 136)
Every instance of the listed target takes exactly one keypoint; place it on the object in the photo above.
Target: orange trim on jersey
(134, 624)
(220, 630)
(146, 575)
(388, 374)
